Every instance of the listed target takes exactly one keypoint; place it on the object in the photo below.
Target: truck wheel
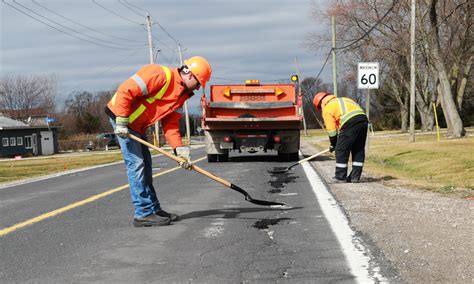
(288, 157)
(212, 158)
(223, 157)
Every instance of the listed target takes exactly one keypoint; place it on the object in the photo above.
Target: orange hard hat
(200, 68)
(318, 99)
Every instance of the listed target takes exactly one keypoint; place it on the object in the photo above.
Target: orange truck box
(252, 117)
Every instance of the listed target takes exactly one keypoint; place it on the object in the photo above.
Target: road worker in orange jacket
(154, 93)
(346, 124)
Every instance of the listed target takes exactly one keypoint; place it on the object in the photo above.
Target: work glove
(184, 153)
(332, 148)
(121, 127)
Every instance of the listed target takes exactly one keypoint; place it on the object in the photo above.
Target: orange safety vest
(154, 93)
(337, 111)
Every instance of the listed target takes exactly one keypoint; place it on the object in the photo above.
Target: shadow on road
(229, 213)
(254, 158)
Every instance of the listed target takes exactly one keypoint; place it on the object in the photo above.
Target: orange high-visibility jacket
(337, 111)
(154, 93)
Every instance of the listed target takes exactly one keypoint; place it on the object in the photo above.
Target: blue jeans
(137, 159)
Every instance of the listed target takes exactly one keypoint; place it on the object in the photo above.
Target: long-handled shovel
(281, 170)
(211, 176)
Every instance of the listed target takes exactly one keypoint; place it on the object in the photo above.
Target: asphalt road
(48, 235)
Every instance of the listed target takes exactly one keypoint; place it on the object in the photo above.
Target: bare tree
(453, 119)
(370, 30)
(309, 87)
(24, 93)
(80, 105)
(84, 112)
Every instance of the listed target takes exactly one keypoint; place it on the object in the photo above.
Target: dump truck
(252, 118)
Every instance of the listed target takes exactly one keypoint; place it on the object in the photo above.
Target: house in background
(20, 139)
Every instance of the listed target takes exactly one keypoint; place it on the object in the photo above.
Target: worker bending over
(154, 93)
(346, 124)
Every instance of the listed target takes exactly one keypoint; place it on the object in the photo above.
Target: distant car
(90, 146)
(109, 139)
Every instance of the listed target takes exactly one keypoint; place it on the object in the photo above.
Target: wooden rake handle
(179, 159)
(312, 157)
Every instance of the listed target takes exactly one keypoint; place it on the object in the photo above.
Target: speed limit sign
(368, 75)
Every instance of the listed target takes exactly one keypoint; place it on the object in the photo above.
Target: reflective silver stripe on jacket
(342, 106)
(141, 84)
(332, 133)
(344, 115)
(350, 115)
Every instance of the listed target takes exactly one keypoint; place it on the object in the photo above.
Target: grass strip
(446, 166)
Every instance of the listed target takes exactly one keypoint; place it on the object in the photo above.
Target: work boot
(163, 213)
(338, 180)
(356, 172)
(353, 180)
(151, 221)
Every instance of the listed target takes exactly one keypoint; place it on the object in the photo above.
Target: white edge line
(354, 251)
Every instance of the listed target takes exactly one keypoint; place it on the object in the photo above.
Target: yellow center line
(76, 204)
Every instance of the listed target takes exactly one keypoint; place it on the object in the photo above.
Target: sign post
(368, 78)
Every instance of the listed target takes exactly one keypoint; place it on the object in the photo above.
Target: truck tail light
(276, 138)
(226, 139)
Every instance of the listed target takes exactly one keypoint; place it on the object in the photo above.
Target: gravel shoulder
(427, 237)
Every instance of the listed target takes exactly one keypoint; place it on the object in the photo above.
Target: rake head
(264, 202)
(279, 170)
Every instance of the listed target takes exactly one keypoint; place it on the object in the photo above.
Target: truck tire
(213, 158)
(288, 157)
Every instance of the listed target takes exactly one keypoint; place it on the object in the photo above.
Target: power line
(128, 6)
(89, 28)
(394, 2)
(226, 79)
(63, 26)
(166, 57)
(161, 27)
(243, 80)
(308, 99)
(132, 5)
(346, 46)
(62, 31)
(162, 43)
(118, 15)
(132, 8)
(324, 65)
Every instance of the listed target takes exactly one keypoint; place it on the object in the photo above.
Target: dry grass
(446, 166)
(14, 170)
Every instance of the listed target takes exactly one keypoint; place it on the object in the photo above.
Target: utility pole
(367, 113)
(150, 41)
(299, 95)
(150, 47)
(334, 68)
(412, 72)
(188, 131)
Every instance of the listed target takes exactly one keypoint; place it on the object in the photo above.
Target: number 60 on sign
(368, 75)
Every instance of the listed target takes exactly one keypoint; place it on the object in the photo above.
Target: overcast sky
(241, 39)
